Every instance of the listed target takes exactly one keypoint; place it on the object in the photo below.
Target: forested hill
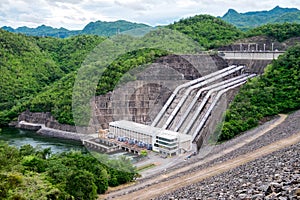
(100, 28)
(111, 28)
(280, 32)
(43, 31)
(254, 19)
(30, 65)
(209, 31)
(25, 68)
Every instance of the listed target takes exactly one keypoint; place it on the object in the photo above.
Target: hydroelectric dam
(172, 119)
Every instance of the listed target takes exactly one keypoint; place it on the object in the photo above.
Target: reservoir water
(18, 137)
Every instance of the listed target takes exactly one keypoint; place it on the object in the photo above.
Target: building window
(165, 139)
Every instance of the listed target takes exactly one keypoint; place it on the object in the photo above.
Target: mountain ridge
(254, 19)
(101, 28)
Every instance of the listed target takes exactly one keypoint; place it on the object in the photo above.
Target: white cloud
(75, 14)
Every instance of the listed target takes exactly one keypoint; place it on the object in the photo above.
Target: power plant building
(160, 140)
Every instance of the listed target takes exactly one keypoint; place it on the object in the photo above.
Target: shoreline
(55, 133)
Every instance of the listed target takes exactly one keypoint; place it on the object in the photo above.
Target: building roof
(150, 130)
(133, 126)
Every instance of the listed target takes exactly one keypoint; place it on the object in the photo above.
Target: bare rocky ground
(275, 176)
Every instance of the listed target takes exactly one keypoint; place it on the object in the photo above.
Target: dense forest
(31, 65)
(276, 91)
(280, 32)
(208, 31)
(34, 173)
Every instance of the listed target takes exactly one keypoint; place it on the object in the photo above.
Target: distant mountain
(111, 28)
(95, 28)
(254, 19)
(43, 31)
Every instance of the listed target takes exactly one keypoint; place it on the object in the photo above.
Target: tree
(143, 153)
(81, 185)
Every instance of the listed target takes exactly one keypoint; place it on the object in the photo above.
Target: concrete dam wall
(141, 100)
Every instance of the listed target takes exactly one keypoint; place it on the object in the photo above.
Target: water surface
(18, 138)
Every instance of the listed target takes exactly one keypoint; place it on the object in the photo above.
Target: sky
(75, 14)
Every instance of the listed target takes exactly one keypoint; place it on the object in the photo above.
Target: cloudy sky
(75, 14)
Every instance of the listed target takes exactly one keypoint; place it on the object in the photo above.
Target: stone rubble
(275, 176)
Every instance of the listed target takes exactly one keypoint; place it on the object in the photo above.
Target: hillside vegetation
(25, 69)
(250, 20)
(30, 65)
(280, 32)
(276, 91)
(33, 173)
(210, 32)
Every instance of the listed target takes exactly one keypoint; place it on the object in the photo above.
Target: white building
(163, 141)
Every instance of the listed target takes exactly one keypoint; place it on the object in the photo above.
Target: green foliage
(25, 69)
(26, 173)
(80, 184)
(69, 53)
(250, 20)
(33, 163)
(144, 153)
(30, 66)
(280, 32)
(210, 32)
(276, 91)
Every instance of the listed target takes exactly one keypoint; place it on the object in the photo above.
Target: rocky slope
(276, 176)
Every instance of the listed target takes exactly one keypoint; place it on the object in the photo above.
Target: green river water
(18, 137)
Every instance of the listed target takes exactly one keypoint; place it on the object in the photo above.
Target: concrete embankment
(46, 119)
(43, 130)
(28, 126)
